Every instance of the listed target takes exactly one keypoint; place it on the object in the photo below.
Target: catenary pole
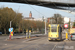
(45, 26)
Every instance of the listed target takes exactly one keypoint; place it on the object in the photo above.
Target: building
(66, 20)
(50, 20)
(38, 19)
(30, 17)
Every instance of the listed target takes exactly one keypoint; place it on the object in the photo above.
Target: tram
(54, 32)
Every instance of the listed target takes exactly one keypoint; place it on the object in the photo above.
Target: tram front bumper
(50, 38)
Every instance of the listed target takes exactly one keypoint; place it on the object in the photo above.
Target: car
(73, 36)
(0, 33)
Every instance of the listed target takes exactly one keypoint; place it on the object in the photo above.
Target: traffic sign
(66, 25)
(11, 33)
(10, 29)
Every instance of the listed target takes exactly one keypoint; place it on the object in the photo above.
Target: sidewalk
(36, 35)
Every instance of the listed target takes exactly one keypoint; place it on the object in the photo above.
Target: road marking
(26, 46)
(54, 47)
(25, 40)
(5, 44)
(30, 39)
(44, 44)
(33, 44)
(36, 49)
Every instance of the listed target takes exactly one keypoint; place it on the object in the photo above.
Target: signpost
(10, 29)
(66, 26)
(11, 32)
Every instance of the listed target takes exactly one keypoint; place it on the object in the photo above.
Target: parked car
(73, 36)
(0, 33)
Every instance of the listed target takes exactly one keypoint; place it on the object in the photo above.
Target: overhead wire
(70, 10)
(42, 4)
(34, 9)
(16, 15)
(54, 5)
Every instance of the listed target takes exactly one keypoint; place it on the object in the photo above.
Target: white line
(5, 44)
(54, 47)
(25, 40)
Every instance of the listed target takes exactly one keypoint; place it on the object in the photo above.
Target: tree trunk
(5, 30)
(19, 29)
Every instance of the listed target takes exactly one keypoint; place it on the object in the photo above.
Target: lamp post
(45, 27)
(42, 23)
(10, 32)
(23, 25)
(10, 25)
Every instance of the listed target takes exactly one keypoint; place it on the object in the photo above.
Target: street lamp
(11, 22)
(42, 23)
(45, 26)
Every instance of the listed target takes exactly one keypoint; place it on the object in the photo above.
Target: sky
(37, 11)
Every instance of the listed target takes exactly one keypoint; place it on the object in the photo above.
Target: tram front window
(53, 29)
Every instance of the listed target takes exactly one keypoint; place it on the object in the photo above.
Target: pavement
(18, 36)
(37, 43)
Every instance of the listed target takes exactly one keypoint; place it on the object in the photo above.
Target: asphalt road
(38, 43)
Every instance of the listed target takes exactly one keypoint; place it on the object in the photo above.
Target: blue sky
(26, 8)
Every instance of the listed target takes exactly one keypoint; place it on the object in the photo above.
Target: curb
(25, 36)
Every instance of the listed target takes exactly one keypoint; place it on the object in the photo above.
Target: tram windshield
(53, 29)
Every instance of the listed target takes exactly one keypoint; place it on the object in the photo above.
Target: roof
(28, 18)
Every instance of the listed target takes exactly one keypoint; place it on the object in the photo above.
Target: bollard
(26, 35)
(29, 36)
(10, 37)
(29, 33)
(66, 36)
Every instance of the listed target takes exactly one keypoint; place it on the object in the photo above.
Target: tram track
(56, 46)
(40, 43)
(8, 46)
(33, 44)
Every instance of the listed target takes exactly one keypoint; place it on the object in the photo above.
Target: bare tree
(58, 19)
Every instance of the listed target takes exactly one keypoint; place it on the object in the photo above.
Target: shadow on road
(57, 40)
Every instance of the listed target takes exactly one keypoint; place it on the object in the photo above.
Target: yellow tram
(54, 32)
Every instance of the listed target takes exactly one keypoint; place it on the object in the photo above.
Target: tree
(7, 15)
(25, 24)
(18, 23)
(69, 25)
(74, 24)
(58, 19)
